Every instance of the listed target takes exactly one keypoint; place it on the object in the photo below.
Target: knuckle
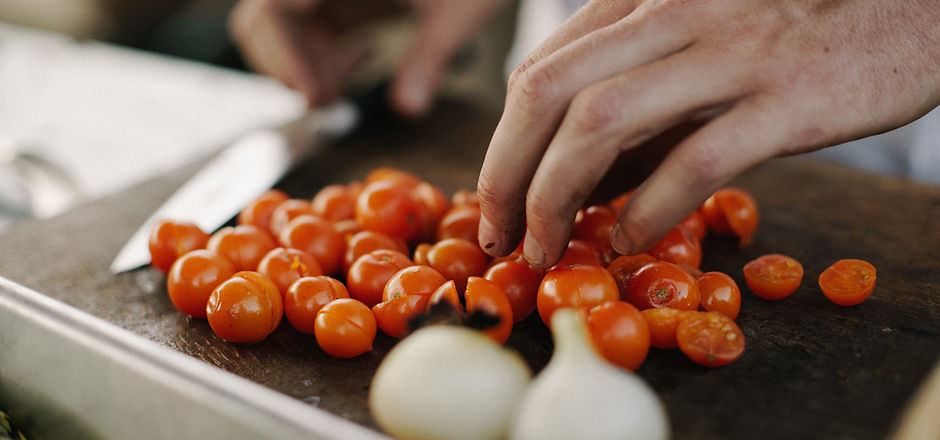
(533, 86)
(592, 111)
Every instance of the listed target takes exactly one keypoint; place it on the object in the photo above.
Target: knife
(247, 168)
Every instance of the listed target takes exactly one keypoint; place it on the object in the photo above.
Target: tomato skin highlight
(169, 240)
(243, 245)
(848, 282)
(719, 293)
(413, 280)
(663, 284)
(620, 333)
(773, 276)
(368, 275)
(259, 211)
(283, 266)
(193, 277)
(345, 328)
(578, 286)
(246, 308)
(316, 236)
(710, 338)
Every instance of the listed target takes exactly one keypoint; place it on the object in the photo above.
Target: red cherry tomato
(719, 293)
(287, 211)
(520, 283)
(620, 333)
(193, 277)
(695, 224)
(363, 242)
(579, 252)
(731, 211)
(170, 239)
(579, 286)
(678, 246)
(368, 274)
(663, 323)
(457, 259)
(624, 267)
(283, 266)
(413, 280)
(710, 338)
(461, 221)
(259, 211)
(464, 197)
(245, 308)
(393, 316)
(848, 282)
(663, 284)
(335, 202)
(594, 224)
(487, 296)
(345, 328)
(389, 208)
(306, 296)
(773, 276)
(316, 236)
(243, 245)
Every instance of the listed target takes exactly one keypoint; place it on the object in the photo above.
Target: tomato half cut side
(710, 338)
(848, 282)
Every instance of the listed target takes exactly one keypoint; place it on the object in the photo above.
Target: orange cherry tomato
(663, 323)
(393, 316)
(245, 308)
(394, 175)
(663, 284)
(773, 276)
(367, 276)
(413, 280)
(457, 259)
(447, 292)
(487, 296)
(624, 267)
(306, 296)
(461, 221)
(259, 211)
(710, 338)
(335, 202)
(464, 197)
(363, 242)
(695, 224)
(434, 204)
(579, 286)
(420, 255)
(243, 245)
(848, 282)
(579, 252)
(678, 246)
(620, 333)
(731, 211)
(520, 282)
(170, 239)
(345, 328)
(389, 208)
(193, 277)
(316, 236)
(287, 211)
(283, 266)
(719, 293)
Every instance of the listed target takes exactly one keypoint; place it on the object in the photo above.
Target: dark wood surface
(811, 370)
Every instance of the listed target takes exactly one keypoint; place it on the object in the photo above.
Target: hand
(311, 45)
(699, 91)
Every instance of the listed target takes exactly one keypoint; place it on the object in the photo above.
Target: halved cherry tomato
(731, 211)
(393, 316)
(848, 282)
(678, 246)
(363, 242)
(388, 207)
(663, 323)
(461, 221)
(193, 277)
(773, 276)
(243, 245)
(578, 286)
(710, 338)
(663, 284)
(245, 308)
(413, 280)
(316, 236)
(447, 292)
(487, 296)
(719, 293)
(259, 211)
(620, 333)
(306, 296)
(624, 267)
(457, 259)
(335, 202)
(171, 239)
(520, 283)
(283, 266)
(368, 274)
(287, 211)
(345, 328)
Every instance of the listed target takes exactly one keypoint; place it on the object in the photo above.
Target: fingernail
(619, 240)
(487, 235)
(533, 251)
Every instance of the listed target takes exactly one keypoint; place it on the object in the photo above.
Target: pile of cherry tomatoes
(375, 254)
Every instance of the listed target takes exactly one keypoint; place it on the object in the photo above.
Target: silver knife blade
(239, 173)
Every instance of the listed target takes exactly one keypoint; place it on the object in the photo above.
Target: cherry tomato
(316, 236)
(170, 239)
(434, 204)
(579, 286)
(335, 202)
(347, 228)
(662, 284)
(283, 266)
(695, 224)
(463, 197)
(306, 296)
(447, 292)
(773, 276)
(363, 242)
(663, 323)
(731, 211)
(461, 221)
(389, 208)
(678, 246)
(487, 296)
(620, 333)
(413, 280)
(259, 211)
(393, 316)
(367, 276)
(848, 282)
(420, 255)
(287, 211)
(457, 259)
(710, 338)
(193, 277)
(245, 308)
(520, 283)
(394, 175)
(579, 252)
(594, 224)
(243, 245)
(345, 328)
(719, 293)
(624, 267)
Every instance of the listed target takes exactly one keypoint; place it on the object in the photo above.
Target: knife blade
(246, 169)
